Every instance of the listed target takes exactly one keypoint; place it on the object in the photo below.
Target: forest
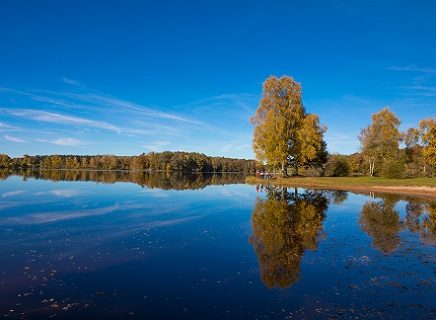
(163, 161)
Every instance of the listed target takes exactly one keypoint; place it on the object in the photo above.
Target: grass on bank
(343, 182)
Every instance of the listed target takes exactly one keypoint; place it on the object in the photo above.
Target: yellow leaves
(428, 137)
(283, 130)
(380, 140)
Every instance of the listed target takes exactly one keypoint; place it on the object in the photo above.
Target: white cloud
(65, 193)
(12, 193)
(5, 127)
(63, 141)
(412, 68)
(67, 142)
(118, 103)
(420, 90)
(61, 119)
(14, 139)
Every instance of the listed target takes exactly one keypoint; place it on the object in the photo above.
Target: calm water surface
(117, 245)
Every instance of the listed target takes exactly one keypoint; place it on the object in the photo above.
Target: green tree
(336, 166)
(380, 140)
(284, 134)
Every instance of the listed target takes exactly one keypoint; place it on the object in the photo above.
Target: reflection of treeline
(161, 180)
(174, 161)
(286, 224)
(382, 222)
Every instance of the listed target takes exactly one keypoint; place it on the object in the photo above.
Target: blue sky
(126, 77)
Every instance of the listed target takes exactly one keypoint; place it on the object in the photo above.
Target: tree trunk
(371, 167)
(284, 170)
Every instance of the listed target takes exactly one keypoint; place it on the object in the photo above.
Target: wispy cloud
(412, 68)
(420, 90)
(118, 103)
(73, 82)
(12, 193)
(14, 139)
(65, 193)
(5, 127)
(46, 217)
(63, 141)
(210, 124)
(231, 101)
(67, 142)
(45, 116)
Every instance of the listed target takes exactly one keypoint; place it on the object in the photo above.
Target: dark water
(209, 247)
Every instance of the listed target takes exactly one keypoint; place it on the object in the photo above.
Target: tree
(380, 140)
(414, 160)
(336, 166)
(284, 135)
(428, 138)
(5, 161)
(411, 137)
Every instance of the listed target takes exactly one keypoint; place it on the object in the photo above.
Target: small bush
(393, 169)
(336, 166)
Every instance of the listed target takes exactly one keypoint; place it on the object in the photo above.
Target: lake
(111, 245)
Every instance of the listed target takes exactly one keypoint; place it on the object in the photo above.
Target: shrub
(393, 169)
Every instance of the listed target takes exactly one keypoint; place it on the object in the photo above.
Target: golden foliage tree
(284, 135)
(428, 137)
(380, 140)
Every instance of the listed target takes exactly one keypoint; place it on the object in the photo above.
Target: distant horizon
(88, 78)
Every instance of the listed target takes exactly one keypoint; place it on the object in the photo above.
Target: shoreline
(416, 187)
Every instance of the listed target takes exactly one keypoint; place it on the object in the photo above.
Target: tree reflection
(428, 228)
(162, 180)
(381, 222)
(285, 225)
(338, 196)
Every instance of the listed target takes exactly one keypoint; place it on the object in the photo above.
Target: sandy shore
(427, 191)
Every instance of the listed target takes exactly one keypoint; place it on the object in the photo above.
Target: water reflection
(285, 225)
(162, 180)
(382, 222)
(115, 251)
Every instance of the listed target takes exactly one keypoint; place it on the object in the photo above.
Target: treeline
(165, 161)
(289, 139)
(161, 180)
(388, 152)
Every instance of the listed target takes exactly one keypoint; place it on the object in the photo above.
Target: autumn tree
(428, 138)
(380, 140)
(284, 134)
(5, 161)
